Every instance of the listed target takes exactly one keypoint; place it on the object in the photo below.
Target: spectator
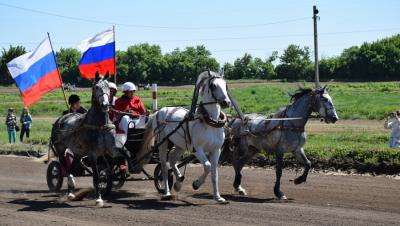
(26, 122)
(11, 122)
(394, 141)
(74, 105)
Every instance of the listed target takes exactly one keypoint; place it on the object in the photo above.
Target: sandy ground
(323, 200)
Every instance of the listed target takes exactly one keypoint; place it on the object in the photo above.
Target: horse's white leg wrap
(71, 181)
(71, 185)
(99, 202)
(241, 190)
(124, 123)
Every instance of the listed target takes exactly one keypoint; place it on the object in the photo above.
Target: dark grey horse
(280, 136)
(88, 134)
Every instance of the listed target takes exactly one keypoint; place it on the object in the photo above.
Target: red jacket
(133, 105)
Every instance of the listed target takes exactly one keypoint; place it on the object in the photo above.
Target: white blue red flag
(35, 73)
(98, 55)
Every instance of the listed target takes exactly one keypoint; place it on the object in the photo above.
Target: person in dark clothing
(26, 122)
(74, 105)
(11, 123)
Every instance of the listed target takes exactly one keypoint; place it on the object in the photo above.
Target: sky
(228, 28)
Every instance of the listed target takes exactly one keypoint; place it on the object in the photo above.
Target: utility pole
(316, 66)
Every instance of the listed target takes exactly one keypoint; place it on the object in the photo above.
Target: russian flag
(35, 73)
(98, 55)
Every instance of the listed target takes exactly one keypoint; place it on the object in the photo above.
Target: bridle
(216, 123)
(97, 95)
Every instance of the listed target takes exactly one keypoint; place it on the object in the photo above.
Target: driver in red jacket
(132, 104)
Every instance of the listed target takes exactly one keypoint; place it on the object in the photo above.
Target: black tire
(105, 182)
(54, 176)
(158, 179)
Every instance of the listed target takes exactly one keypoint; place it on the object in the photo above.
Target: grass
(365, 101)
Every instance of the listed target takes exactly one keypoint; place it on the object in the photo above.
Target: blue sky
(227, 28)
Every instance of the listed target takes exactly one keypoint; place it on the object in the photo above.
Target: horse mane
(204, 75)
(299, 93)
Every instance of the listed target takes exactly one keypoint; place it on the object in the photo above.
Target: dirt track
(323, 200)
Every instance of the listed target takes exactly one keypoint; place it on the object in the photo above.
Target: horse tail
(46, 158)
(51, 152)
(144, 155)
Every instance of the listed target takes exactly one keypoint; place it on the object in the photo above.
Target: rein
(281, 126)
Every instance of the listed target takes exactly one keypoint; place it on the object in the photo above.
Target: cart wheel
(54, 176)
(119, 179)
(105, 182)
(158, 179)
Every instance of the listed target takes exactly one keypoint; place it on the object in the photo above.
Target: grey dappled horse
(88, 134)
(280, 136)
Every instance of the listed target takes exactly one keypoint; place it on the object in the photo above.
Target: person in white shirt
(394, 125)
(113, 92)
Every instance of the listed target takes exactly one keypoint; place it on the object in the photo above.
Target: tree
(295, 63)
(145, 63)
(68, 62)
(185, 66)
(248, 67)
(7, 56)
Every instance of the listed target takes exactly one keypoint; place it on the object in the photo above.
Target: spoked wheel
(105, 182)
(54, 176)
(158, 179)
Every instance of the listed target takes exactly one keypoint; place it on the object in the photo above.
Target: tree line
(143, 63)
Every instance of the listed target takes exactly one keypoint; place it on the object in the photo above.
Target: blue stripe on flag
(98, 54)
(39, 69)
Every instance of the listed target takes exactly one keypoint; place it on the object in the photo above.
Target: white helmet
(128, 86)
(112, 85)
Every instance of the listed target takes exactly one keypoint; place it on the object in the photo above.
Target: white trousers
(127, 121)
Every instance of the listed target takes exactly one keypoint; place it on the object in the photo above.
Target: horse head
(101, 92)
(323, 104)
(213, 88)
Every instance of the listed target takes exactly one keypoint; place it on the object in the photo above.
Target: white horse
(202, 134)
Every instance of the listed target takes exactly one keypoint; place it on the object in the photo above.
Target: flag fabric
(98, 55)
(35, 73)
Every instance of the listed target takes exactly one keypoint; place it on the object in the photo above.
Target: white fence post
(154, 102)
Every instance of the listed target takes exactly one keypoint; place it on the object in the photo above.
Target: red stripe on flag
(88, 71)
(47, 83)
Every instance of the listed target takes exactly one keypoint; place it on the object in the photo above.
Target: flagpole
(58, 70)
(115, 58)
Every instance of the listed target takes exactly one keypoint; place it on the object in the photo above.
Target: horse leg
(301, 157)
(62, 158)
(279, 168)
(238, 163)
(93, 161)
(174, 156)
(70, 178)
(201, 156)
(214, 175)
(163, 152)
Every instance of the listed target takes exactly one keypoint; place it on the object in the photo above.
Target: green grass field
(362, 102)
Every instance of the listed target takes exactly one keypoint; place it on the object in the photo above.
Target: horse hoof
(177, 187)
(221, 200)
(71, 196)
(241, 191)
(283, 198)
(299, 180)
(167, 198)
(99, 203)
(195, 185)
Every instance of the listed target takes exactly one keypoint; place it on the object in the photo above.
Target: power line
(229, 38)
(151, 26)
